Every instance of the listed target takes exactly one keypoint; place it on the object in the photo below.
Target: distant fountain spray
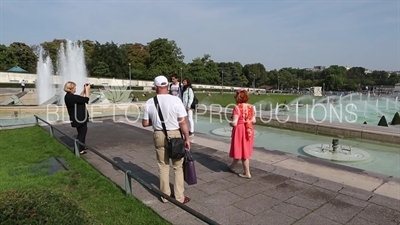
(365, 108)
(387, 104)
(71, 67)
(44, 83)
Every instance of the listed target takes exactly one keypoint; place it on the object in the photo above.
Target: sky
(278, 33)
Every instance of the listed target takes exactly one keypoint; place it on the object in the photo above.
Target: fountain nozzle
(335, 144)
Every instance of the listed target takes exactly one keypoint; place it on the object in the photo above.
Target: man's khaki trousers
(163, 166)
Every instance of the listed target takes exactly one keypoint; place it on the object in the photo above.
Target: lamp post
(222, 90)
(298, 84)
(278, 82)
(181, 75)
(254, 81)
(130, 78)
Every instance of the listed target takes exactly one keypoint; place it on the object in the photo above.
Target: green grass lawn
(226, 99)
(100, 199)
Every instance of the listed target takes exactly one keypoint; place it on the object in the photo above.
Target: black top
(76, 107)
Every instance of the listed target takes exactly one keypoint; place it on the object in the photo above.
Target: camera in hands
(91, 85)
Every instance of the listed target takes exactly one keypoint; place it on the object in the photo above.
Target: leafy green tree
(238, 78)
(273, 77)
(165, 57)
(351, 85)
(24, 56)
(231, 74)
(101, 69)
(52, 48)
(88, 46)
(287, 80)
(356, 72)
(393, 79)
(138, 56)
(113, 56)
(212, 75)
(203, 70)
(197, 71)
(333, 82)
(225, 70)
(7, 59)
(255, 74)
(307, 84)
(333, 70)
(380, 77)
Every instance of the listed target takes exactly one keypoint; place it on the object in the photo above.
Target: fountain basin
(227, 132)
(325, 151)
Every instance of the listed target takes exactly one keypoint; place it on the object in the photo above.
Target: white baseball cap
(161, 81)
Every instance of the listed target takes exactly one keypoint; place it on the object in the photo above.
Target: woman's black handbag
(176, 146)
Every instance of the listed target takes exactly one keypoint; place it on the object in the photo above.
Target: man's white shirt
(171, 108)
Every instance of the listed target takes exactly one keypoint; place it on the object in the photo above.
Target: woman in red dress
(243, 118)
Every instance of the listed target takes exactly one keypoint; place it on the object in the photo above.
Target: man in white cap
(174, 114)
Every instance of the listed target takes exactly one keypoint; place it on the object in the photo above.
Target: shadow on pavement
(209, 162)
(138, 171)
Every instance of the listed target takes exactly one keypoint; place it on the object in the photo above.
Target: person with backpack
(175, 88)
(190, 102)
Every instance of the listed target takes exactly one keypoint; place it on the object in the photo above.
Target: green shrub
(383, 122)
(396, 119)
(40, 207)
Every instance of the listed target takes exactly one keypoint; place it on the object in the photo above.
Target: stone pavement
(274, 195)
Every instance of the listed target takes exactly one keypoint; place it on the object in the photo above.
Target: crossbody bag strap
(162, 118)
(160, 115)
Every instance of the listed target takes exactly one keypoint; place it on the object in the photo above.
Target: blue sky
(275, 33)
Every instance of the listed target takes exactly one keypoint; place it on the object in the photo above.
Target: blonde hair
(69, 86)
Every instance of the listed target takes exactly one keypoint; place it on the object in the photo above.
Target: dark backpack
(195, 101)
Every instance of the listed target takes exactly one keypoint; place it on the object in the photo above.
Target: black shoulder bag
(176, 146)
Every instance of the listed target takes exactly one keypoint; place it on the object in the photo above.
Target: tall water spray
(71, 66)
(45, 86)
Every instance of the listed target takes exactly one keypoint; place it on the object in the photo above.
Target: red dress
(243, 134)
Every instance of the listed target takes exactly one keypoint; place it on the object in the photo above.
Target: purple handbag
(189, 171)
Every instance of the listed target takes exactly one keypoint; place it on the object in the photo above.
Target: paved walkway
(275, 195)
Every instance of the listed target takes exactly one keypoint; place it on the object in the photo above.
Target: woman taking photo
(243, 118)
(76, 107)
(188, 97)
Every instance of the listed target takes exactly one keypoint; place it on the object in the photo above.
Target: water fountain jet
(70, 67)
(336, 152)
(46, 88)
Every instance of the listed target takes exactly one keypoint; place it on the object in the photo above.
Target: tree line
(163, 56)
